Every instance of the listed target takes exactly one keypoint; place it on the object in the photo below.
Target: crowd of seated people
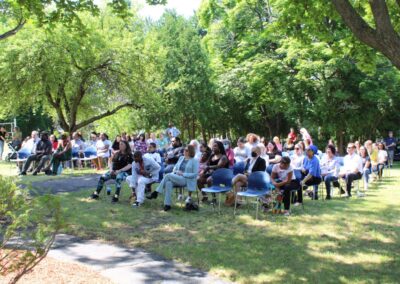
(144, 159)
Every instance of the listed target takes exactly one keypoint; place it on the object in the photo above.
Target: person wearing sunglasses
(184, 174)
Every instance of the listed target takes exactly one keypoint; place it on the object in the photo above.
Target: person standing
(3, 134)
(172, 131)
(390, 143)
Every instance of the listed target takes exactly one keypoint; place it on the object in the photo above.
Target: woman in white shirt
(329, 169)
(296, 160)
(196, 146)
(242, 153)
(103, 146)
(382, 158)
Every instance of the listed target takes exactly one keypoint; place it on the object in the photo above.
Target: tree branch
(12, 32)
(355, 22)
(383, 38)
(381, 16)
(57, 107)
(105, 114)
(81, 91)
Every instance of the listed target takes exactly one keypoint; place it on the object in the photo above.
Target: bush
(28, 227)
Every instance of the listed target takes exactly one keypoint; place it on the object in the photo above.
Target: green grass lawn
(339, 241)
(10, 170)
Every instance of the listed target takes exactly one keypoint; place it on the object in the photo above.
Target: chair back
(238, 168)
(222, 177)
(258, 181)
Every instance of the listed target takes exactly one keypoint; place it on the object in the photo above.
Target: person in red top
(54, 142)
(229, 152)
(292, 135)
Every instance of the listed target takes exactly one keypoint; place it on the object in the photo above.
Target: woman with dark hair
(229, 152)
(120, 168)
(205, 156)
(115, 145)
(282, 177)
(54, 142)
(274, 155)
(140, 144)
(184, 174)
(218, 159)
(63, 153)
(329, 169)
(366, 166)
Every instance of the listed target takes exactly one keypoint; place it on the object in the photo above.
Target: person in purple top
(311, 171)
(390, 143)
(140, 144)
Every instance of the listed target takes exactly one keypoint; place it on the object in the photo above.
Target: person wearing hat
(311, 171)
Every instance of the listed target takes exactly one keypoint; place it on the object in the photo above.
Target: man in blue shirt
(311, 171)
(390, 143)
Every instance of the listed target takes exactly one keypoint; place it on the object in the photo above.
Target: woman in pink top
(306, 136)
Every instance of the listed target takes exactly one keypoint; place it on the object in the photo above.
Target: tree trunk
(340, 141)
(383, 38)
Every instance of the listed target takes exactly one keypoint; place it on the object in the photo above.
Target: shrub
(28, 227)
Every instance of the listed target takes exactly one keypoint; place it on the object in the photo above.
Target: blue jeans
(269, 168)
(167, 186)
(366, 174)
(390, 157)
(328, 181)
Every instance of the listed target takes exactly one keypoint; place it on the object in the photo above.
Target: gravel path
(70, 184)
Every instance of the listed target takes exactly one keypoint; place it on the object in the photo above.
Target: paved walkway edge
(126, 265)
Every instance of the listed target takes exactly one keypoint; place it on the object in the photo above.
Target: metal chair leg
(234, 208)
(257, 201)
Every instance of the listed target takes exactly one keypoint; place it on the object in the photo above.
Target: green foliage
(77, 78)
(281, 63)
(27, 228)
(14, 14)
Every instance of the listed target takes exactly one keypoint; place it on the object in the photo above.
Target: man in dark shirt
(42, 154)
(173, 154)
(390, 143)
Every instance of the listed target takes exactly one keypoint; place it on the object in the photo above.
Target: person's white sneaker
(360, 194)
(180, 197)
(188, 200)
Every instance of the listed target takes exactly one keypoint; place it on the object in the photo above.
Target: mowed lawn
(353, 240)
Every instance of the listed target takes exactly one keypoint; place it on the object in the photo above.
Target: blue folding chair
(258, 184)
(238, 168)
(221, 183)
